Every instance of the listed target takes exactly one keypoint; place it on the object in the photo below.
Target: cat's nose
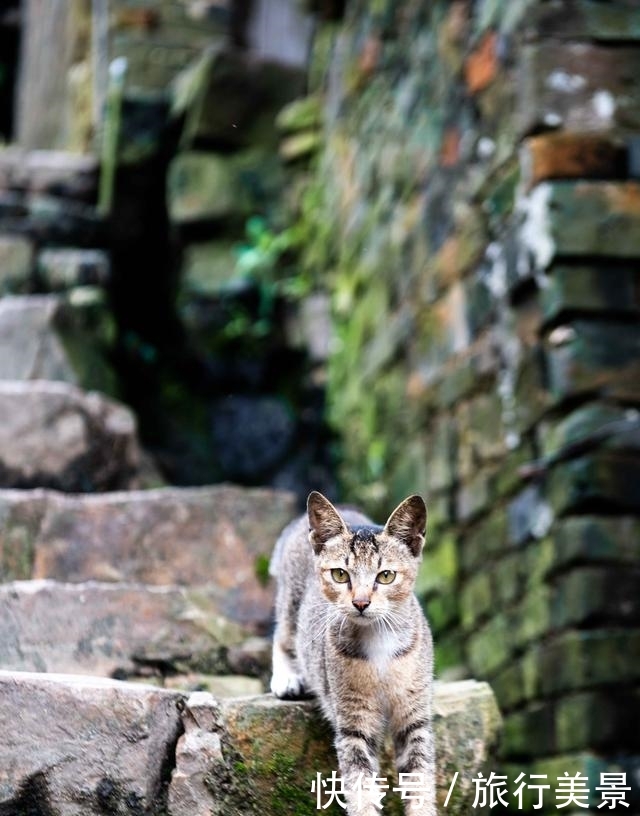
(361, 604)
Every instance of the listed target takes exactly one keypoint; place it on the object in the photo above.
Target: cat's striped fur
(350, 630)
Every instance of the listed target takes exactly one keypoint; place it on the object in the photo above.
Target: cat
(350, 631)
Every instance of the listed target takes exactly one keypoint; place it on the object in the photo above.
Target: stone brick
(486, 538)
(201, 187)
(577, 660)
(584, 20)
(593, 538)
(476, 599)
(589, 765)
(587, 356)
(529, 733)
(439, 566)
(601, 595)
(532, 618)
(207, 269)
(564, 662)
(487, 432)
(16, 264)
(60, 269)
(83, 747)
(509, 478)
(531, 392)
(301, 114)
(561, 155)
(583, 87)
(159, 41)
(529, 516)
(489, 648)
(442, 611)
(519, 680)
(509, 579)
(592, 290)
(440, 447)
(474, 497)
(595, 424)
(605, 479)
(60, 173)
(482, 65)
(598, 721)
(254, 91)
(587, 720)
(460, 252)
(586, 218)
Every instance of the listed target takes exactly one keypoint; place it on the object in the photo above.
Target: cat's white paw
(286, 686)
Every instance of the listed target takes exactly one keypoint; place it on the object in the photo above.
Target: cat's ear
(407, 523)
(324, 521)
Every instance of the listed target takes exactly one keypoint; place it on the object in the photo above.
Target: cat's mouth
(363, 618)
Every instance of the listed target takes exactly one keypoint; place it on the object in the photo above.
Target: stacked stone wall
(479, 228)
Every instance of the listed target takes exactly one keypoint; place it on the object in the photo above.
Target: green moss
(261, 566)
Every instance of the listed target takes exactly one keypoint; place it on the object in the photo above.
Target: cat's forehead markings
(364, 538)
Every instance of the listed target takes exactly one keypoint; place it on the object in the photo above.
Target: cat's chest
(379, 650)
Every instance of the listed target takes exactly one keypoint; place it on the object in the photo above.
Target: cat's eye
(340, 576)
(386, 577)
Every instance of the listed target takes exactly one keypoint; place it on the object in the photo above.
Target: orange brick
(481, 66)
(450, 149)
(569, 156)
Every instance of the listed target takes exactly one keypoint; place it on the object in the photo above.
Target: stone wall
(477, 214)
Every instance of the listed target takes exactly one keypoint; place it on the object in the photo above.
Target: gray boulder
(55, 435)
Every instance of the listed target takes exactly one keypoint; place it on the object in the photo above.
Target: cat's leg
(412, 731)
(286, 681)
(286, 678)
(358, 726)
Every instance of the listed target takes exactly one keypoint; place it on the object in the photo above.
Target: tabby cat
(350, 631)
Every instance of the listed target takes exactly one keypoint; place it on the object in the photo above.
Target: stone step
(220, 537)
(118, 630)
(80, 746)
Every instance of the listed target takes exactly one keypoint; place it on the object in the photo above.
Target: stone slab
(219, 536)
(112, 630)
(76, 746)
(54, 172)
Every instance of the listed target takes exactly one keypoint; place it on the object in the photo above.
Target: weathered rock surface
(75, 746)
(53, 434)
(112, 630)
(282, 746)
(16, 261)
(217, 536)
(86, 746)
(51, 172)
(63, 268)
(46, 338)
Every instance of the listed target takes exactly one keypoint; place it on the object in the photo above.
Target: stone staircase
(134, 617)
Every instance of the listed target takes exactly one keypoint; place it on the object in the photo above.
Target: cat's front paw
(287, 686)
